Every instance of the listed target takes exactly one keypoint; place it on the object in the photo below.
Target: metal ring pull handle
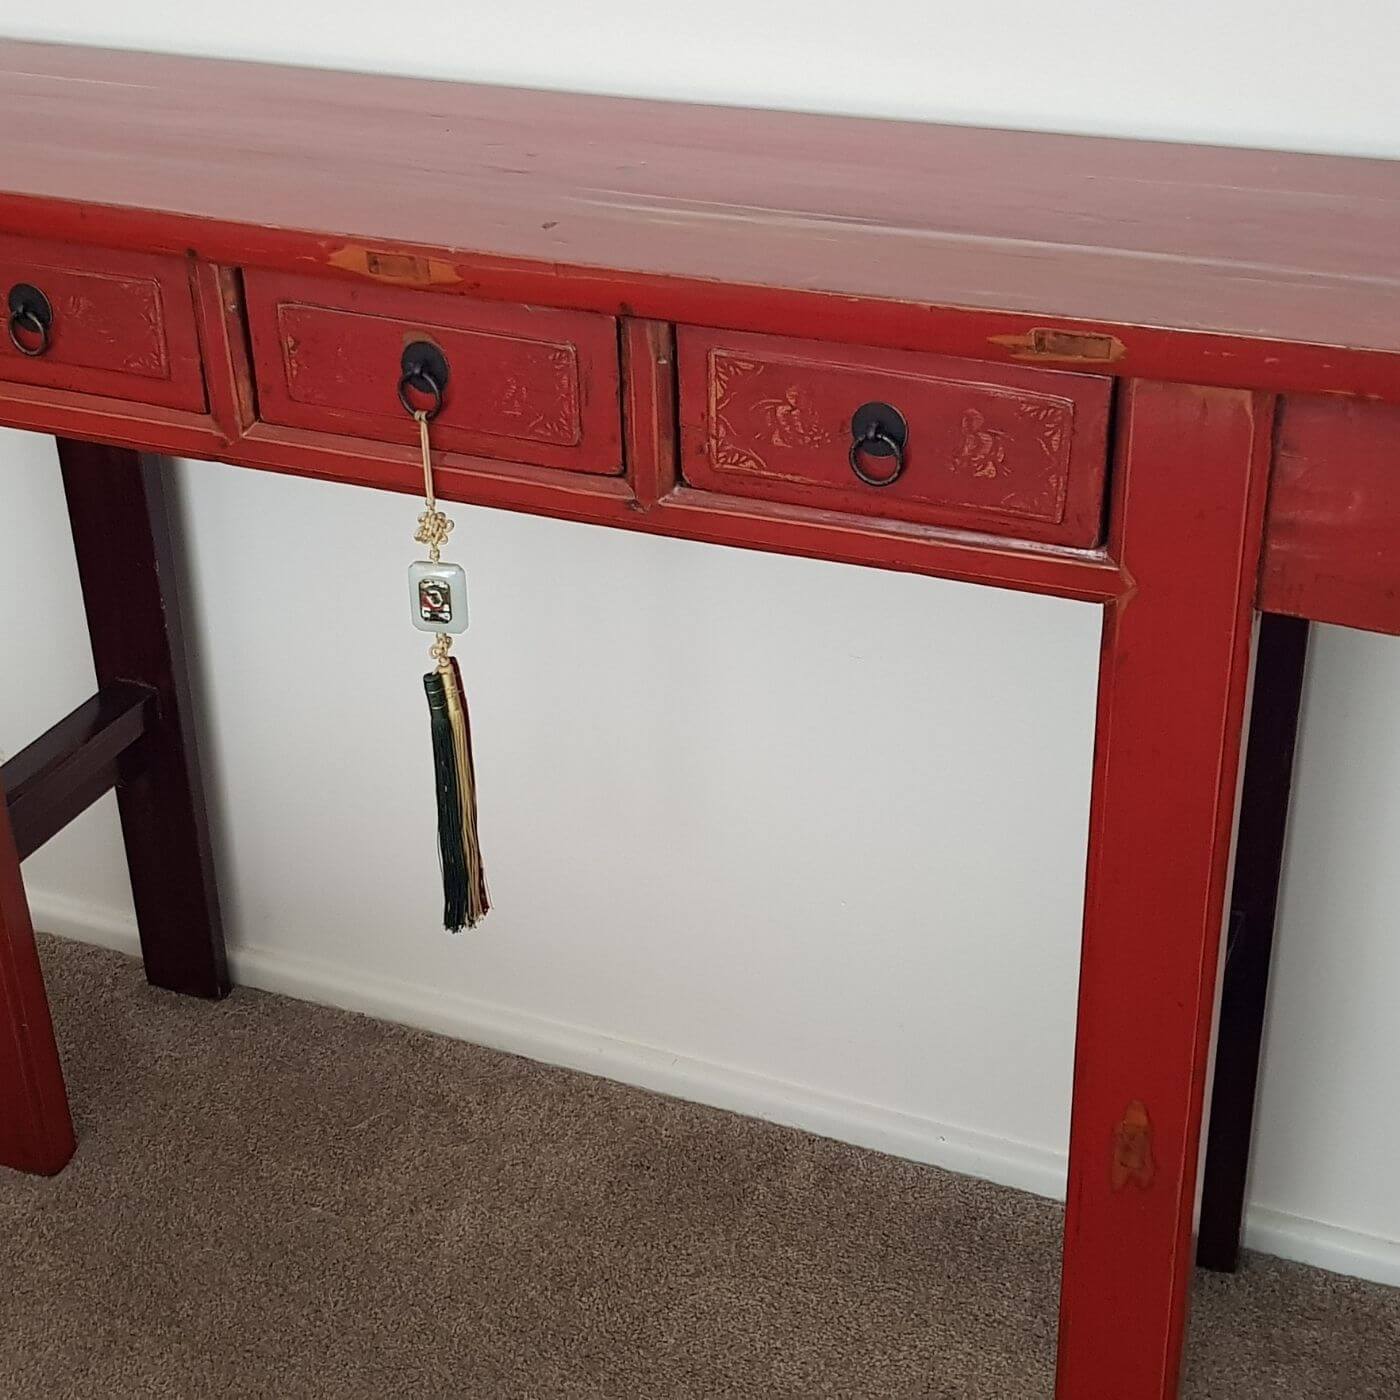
(878, 430)
(423, 368)
(423, 381)
(31, 319)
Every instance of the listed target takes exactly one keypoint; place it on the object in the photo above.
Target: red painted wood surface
(526, 384)
(1138, 258)
(649, 408)
(1191, 475)
(36, 1132)
(630, 504)
(1004, 450)
(1113, 259)
(123, 322)
(228, 365)
(1332, 547)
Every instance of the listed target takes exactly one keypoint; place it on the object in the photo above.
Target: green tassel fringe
(451, 845)
(465, 900)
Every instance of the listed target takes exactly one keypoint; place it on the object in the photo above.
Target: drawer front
(525, 384)
(119, 324)
(1008, 451)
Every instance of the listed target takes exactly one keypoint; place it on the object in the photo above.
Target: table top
(1186, 238)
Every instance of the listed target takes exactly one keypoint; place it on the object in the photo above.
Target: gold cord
(422, 416)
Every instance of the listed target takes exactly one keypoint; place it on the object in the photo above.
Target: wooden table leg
(1189, 493)
(126, 563)
(36, 1132)
(1279, 663)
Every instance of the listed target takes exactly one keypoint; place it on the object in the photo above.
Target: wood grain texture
(1191, 471)
(990, 447)
(1141, 258)
(1332, 547)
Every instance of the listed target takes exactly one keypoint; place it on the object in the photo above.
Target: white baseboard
(1002, 1160)
(84, 922)
(1324, 1246)
(652, 1067)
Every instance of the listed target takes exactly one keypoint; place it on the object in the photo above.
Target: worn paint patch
(1080, 347)
(398, 269)
(1133, 1162)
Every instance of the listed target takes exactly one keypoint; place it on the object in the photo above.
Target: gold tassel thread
(478, 902)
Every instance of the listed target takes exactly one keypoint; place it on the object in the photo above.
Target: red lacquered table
(1161, 378)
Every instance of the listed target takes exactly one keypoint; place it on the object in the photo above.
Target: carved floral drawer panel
(102, 322)
(909, 436)
(522, 383)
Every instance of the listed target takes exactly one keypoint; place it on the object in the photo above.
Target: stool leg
(126, 564)
(1268, 777)
(36, 1132)
(1188, 504)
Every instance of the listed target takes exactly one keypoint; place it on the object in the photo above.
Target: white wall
(1288, 73)
(794, 838)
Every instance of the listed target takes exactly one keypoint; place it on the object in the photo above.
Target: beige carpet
(274, 1200)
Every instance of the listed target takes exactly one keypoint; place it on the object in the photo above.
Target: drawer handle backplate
(31, 317)
(424, 369)
(878, 430)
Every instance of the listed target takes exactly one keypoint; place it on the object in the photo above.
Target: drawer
(524, 384)
(118, 324)
(997, 449)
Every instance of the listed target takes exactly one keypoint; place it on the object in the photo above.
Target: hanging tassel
(439, 600)
(451, 845)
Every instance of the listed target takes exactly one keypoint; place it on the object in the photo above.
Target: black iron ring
(419, 378)
(31, 321)
(893, 448)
